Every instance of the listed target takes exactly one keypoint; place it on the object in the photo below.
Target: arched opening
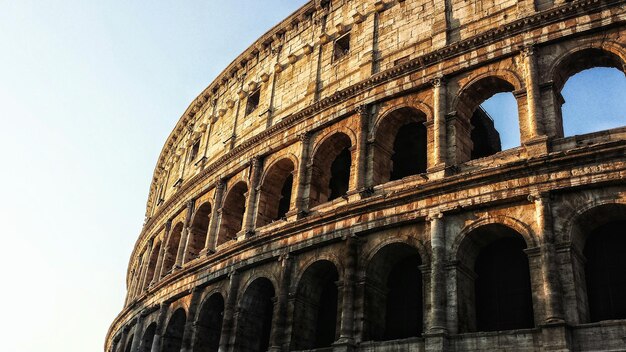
(171, 250)
(331, 169)
(147, 338)
(275, 193)
(129, 343)
(502, 111)
(209, 324)
(198, 231)
(497, 295)
(484, 137)
(401, 146)
(601, 231)
(152, 263)
(590, 89)
(232, 213)
(254, 322)
(315, 311)
(173, 337)
(394, 296)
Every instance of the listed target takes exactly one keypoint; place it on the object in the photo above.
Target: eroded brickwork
(339, 188)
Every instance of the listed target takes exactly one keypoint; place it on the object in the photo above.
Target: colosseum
(338, 187)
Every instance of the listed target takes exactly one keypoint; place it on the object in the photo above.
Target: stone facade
(338, 188)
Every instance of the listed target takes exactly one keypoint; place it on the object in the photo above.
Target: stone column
(359, 309)
(160, 329)
(549, 271)
(437, 315)
(439, 123)
(249, 216)
(346, 335)
(535, 114)
(211, 238)
(159, 267)
(228, 323)
(361, 170)
(184, 238)
(302, 191)
(141, 280)
(278, 336)
(190, 324)
(124, 338)
(138, 332)
(458, 139)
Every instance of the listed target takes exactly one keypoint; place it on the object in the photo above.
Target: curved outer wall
(344, 76)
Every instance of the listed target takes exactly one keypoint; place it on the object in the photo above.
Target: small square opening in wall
(195, 148)
(253, 101)
(342, 47)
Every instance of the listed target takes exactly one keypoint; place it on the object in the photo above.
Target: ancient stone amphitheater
(339, 188)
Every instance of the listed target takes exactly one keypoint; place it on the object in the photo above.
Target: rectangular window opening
(194, 151)
(342, 47)
(253, 101)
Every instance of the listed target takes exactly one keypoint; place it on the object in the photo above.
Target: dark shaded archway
(275, 192)
(254, 319)
(209, 324)
(198, 231)
(147, 338)
(171, 250)
(315, 311)
(401, 145)
(599, 65)
(129, 343)
(498, 296)
(394, 297)
(605, 271)
(152, 264)
(482, 139)
(331, 169)
(232, 213)
(173, 336)
(599, 233)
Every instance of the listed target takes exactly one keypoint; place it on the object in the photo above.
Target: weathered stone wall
(212, 228)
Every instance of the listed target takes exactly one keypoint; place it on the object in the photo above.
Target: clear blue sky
(89, 90)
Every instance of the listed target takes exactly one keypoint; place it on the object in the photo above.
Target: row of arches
(496, 289)
(399, 148)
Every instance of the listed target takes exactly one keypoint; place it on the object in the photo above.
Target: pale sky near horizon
(89, 91)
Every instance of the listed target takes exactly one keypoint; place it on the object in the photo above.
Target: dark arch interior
(198, 231)
(275, 195)
(394, 294)
(173, 337)
(129, 343)
(484, 138)
(148, 338)
(605, 271)
(209, 325)
(502, 287)
(169, 260)
(409, 151)
(154, 258)
(315, 313)
(255, 317)
(330, 176)
(340, 174)
(285, 198)
(232, 213)
(401, 146)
